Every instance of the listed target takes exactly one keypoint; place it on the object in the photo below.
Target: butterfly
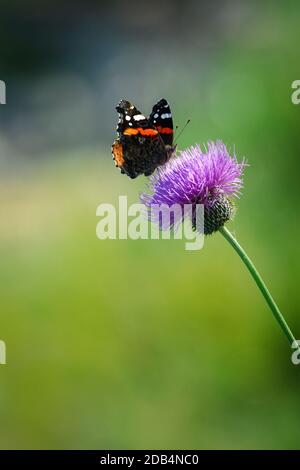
(143, 143)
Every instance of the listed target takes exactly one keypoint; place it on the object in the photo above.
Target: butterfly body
(143, 143)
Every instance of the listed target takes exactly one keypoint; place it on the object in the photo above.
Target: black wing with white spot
(130, 117)
(161, 119)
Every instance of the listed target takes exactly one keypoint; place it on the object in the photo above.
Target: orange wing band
(150, 132)
(130, 131)
(140, 130)
(164, 130)
(117, 150)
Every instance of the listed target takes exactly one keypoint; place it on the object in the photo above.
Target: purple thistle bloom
(211, 178)
(195, 177)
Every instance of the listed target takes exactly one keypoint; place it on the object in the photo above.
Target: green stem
(260, 284)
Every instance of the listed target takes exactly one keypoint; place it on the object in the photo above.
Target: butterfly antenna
(187, 122)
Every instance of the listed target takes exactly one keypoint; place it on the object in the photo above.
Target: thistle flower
(211, 177)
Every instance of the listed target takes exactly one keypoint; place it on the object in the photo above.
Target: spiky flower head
(211, 177)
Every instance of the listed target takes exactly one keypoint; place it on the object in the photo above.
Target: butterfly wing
(161, 119)
(139, 148)
(130, 119)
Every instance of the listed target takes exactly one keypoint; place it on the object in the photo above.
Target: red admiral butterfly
(143, 144)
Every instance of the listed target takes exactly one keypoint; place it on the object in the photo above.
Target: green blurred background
(141, 344)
